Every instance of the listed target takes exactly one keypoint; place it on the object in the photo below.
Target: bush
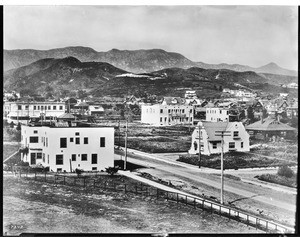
(285, 171)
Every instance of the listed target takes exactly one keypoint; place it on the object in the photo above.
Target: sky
(248, 35)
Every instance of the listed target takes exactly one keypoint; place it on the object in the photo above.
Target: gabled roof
(82, 104)
(212, 127)
(66, 116)
(269, 124)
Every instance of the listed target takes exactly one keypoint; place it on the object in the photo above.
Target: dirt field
(31, 206)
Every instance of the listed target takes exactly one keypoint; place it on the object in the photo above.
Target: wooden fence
(98, 182)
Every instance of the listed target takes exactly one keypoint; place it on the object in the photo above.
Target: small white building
(238, 139)
(170, 112)
(65, 148)
(96, 110)
(190, 95)
(22, 112)
(217, 114)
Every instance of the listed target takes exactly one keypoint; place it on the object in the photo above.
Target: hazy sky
(251, 35)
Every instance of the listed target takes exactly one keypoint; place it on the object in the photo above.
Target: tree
(264, 113)
(81, 94)
(285, 171)
(18, 128)
(250, 114)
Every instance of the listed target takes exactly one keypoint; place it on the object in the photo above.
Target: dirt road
(270, 203)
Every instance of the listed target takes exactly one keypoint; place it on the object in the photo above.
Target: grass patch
(233, 160)
(277, 179)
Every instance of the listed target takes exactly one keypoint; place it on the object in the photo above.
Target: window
(242, 144)
(48, 159)
(59, 159)
(49, 107)
(46, 141)
(43, 157)
(33, 158)
(63, 142)
(76, 133)
(84, 157)
(236, 133)
(94, 168)
(59, 170)
(86, 140)
(35, 131)
(33, 139)
(191, 111)
(231, 145)
(220, 111)
(19, 107)
(42, 107)
(169, 111)
(34, 107)
(227, 112)
(77, 141)
(71, 139)
(214, 145)
(38, 107)
(161, 119)
(161, 111)
(102, 141)
(54, 107)
(39, 155)
(94, 158)
(60, 107)
(73, 157)
(165, 119)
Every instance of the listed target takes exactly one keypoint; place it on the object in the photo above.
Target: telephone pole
(199, 148)
(126, 133)
(222, 134)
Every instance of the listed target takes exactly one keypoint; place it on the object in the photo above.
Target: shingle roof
(269, 124)
(66, 116)
(212, 127)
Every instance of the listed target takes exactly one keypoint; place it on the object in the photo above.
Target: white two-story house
(237, 138)
(171, 111)
(64, 148)
(217, 114)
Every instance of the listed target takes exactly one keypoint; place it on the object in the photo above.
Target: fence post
(84, 182)
(229, 213)
(64, 180)
(167, 195)
(220, 210)
(185, 199)
(35, 175)
(156, 193)
(194, 203)
(45, 177)
(125, 188)
(75, 180)
(27, 172)
(267, 225)
(247, 220)
(177, 198)
(211, 209)
(135, 189)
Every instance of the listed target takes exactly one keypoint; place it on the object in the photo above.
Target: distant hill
(68, 75)
(137, 61)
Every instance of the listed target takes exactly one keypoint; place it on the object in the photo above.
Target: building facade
(217, 114)
(24, 111)
(64, 148)
(237, 139)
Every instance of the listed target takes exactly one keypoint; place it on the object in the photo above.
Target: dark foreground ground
(30, 206)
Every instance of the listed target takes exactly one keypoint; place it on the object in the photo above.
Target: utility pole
(222, 134)
(119, 134)
(126, 134)
(199, 148)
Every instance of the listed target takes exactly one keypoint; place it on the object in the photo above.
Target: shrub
(285, 171)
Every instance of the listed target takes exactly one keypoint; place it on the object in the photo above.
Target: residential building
(217, 114)
(21, 111)
(190, 95)
(63, 146)
(270, 127)
(292, 85)
(237, 138)
(170, 112)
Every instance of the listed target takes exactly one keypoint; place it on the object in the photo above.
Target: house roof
(66, 116)
(269, 124)
(212, 127)
(82, 104)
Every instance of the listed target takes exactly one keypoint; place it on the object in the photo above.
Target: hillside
(59, 74)
(137, 61)
(68, 75)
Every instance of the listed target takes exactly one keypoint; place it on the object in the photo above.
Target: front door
(33, 158)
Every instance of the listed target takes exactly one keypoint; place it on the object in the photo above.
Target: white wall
(217, 114)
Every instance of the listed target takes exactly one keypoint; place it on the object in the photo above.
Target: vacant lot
(155, 139)
(234, 160)
(41, 207)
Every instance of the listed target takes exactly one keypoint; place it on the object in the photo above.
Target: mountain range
(136, 61)
(65, 76)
